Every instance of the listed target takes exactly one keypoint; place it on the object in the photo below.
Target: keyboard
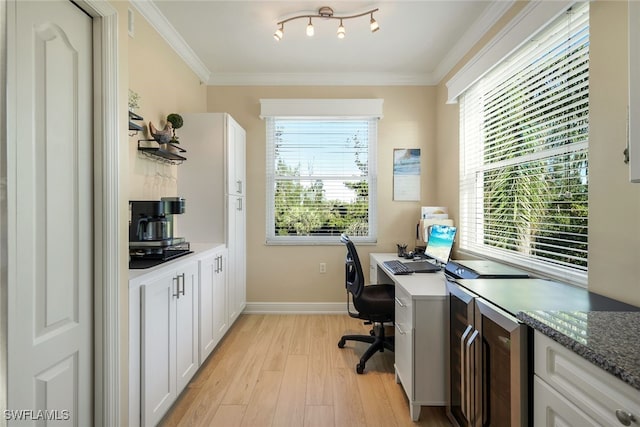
(397, 267)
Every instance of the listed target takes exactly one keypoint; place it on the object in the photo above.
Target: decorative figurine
(163, 136)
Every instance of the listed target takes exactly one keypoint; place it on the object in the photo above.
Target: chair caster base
(360, 368)
(341, 343)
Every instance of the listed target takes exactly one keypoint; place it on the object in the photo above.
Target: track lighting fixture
(374, 24)
(327, 13)
(279, 33)
(341, 30)
(310, 28)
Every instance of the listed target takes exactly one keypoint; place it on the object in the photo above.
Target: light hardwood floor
(287, 370)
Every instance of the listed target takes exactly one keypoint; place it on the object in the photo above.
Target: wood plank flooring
(287, 370)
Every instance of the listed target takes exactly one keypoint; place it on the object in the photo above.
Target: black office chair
(374, 303)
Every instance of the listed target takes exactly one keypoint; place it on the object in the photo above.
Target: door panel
(461, 382)
(187, 326)
(502, 382)
(50, 185)
(158, 330)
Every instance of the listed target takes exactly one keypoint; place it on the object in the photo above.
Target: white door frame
(107, 392)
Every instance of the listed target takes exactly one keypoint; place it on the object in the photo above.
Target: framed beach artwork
(406, 174)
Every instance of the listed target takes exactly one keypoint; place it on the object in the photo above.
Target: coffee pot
(154, 228)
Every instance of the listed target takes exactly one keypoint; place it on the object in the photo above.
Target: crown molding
(478, 29)
(528, 22)
(160, 23)
(321, 79)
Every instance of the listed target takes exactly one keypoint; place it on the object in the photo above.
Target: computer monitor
(440, 242)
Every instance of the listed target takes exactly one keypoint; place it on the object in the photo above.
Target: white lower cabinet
(550, 408)
(178, 313)
(214, 317)
(237, 252)
(570, 391)
(169, 335)
(419, 358)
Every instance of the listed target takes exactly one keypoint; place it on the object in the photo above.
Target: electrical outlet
(323, 267)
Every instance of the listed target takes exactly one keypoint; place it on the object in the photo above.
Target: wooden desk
(420, 333)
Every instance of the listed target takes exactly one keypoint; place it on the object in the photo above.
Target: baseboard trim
(296, 308)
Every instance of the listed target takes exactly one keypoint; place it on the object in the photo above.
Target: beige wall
(291, 273)
(614, 203)
(165, 85)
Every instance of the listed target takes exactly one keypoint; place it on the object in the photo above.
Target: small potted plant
(134, 100)
(176, 123)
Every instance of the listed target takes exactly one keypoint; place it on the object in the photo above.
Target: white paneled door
(50, 186)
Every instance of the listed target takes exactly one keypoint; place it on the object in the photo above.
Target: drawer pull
(625, 418)
(400, 330)
(400, 303)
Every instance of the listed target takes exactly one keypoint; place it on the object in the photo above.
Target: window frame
(471, 193)
(330, 110)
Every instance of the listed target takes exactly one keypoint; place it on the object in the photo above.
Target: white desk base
(420, 335)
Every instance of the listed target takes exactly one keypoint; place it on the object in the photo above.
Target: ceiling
(231, 42)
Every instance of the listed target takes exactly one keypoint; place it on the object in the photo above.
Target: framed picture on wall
(406, 174)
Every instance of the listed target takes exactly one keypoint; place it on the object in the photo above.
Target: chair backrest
(354, 279)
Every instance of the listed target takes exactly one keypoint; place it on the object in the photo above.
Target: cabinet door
(208, 270)
(158, 330)
(213, 302)
(237, 253)
(220, 317)
(461, 335)
(236, 158)
(186, 325)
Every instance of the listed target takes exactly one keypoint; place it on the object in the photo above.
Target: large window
(321, 179)
(524, 143)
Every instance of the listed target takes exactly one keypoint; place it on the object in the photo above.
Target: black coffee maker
(151, 239)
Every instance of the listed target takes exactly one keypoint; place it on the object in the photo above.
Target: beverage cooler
(487, 352)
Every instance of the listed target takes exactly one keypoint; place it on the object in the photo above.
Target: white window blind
(524, 144)
(321, 179)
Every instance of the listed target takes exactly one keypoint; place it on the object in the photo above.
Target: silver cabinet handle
(463, 364)
(181, 275)
(176, 280)
(400, 303)
(239, 184)
(216, 269)
(468, 373)
(400, 330)
(221, 265)
(239, 206)
(625, 418)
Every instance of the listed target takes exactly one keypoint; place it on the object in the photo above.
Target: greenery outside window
(321, 180)
(524, 133)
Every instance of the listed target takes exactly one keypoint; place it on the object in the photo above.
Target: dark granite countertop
(608, 339)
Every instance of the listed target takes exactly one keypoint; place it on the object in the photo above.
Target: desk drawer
(404, 340)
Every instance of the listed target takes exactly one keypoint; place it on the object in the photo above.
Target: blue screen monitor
(440, 242)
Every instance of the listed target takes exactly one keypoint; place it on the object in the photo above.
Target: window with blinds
(524, 133)
(320, 179)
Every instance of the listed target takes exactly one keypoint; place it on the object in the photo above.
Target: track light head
(341, 32)
(310, 28)
(279, 33)
(374, 24)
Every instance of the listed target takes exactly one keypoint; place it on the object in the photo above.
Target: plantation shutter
(321, 173)
(523, 154)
